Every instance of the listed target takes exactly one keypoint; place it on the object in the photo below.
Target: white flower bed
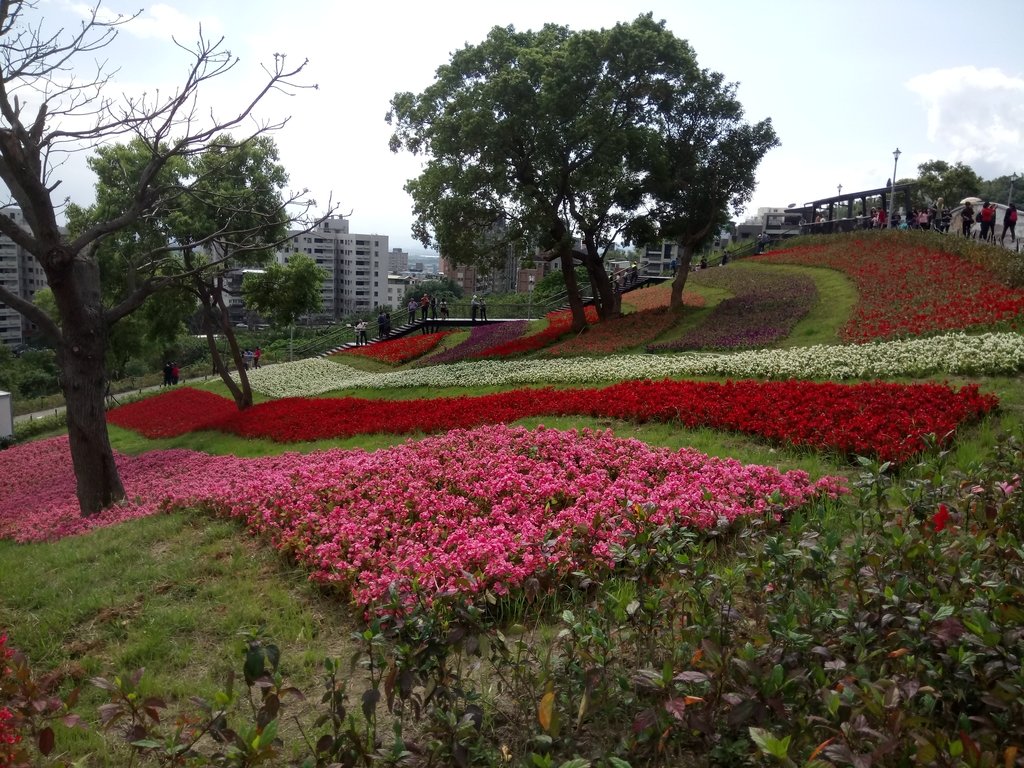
(956, 353)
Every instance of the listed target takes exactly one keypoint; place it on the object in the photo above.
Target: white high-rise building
(356, 266)
(20, 274)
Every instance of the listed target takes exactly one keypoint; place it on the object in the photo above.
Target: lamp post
(1009, 198)
(892, 202)
(839, 189)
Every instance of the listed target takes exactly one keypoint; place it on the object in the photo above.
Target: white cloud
(159, 21)
(976, 114)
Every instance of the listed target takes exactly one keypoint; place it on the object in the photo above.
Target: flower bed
(763, 309)
(615, 335)
(559, 324)
(171, 413)
(908, 290)
(482, 338)
(314, 375)
(397, 351)
(655, 296)
(990, 354)
(887, 420)
(457, 514)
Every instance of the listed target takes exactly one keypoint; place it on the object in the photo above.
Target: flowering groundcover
(880, 419)
(559, 324)
(625, 332)
(397, 351)
(987, 354)
(763, 309)
(908, 290)
(456, 514)
(483, 337)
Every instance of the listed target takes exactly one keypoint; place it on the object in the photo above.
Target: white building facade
(23, 276)
(356, 267)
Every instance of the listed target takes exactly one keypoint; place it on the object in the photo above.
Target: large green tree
(937, 180)
(548, 136)
(47, 109)
(284, 293)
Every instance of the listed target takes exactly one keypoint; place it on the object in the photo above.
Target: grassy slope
(171, 593)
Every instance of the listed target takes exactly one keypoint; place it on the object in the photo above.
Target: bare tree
(47, 110)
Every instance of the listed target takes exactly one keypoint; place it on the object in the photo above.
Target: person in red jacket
(988, 221)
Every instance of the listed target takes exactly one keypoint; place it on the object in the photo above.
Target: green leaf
(769, 744)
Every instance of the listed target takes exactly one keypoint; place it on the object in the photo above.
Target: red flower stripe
(559, 324)
(397, 351)
(882, 419)
(172, 413)
(909, 290)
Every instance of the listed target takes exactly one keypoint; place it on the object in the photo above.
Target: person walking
(988, 221)
(361, 333)
(474, 306)
(444, 309)
(967, 219)
(256, 355)
(175, 373)
(411, 307)
(1009, 224)
(433, 307)
(167, 373)
(483, 309)
(424, 307)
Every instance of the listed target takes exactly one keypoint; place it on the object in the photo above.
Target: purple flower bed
(481, 338)
(763, 309)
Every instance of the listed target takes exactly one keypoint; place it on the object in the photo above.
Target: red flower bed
(907, 289)
(559, 324)
(172, 413)
(656, 296)
(397, 351)
(618, 334)
(879, 419)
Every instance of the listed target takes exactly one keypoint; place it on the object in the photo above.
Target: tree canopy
(41, 94)
(561, 140)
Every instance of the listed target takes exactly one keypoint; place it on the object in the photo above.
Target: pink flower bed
(460, 513)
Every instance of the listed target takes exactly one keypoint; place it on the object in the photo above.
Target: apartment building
(356, 267)
(20, 274)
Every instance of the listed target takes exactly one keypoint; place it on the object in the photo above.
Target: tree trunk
(607, 298)
(682, 272)
(82, 363)
(572, 289)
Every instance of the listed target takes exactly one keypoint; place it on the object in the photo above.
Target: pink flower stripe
(397, 351)
(910, 290)
(887, 420)
(450, 515)
(656, 296)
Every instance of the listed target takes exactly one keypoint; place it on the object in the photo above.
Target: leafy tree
(443, 288)
(284, 293)
(938, 179)
(701, 160)
(997, 190)
(48, 109)
(546, 137)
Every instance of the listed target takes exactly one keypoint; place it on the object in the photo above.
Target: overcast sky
(845, 84)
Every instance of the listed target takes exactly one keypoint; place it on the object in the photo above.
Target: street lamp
(839, 189)
(1009, 198)
(892, 203)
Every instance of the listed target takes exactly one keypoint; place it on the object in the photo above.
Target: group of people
(628, 276)
(171, 373)
(478, 308)
(251, 358)
(987, 218)
(427, 306)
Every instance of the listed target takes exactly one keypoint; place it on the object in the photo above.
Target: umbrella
(971, 200)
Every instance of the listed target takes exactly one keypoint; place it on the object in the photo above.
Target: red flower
(941, 518)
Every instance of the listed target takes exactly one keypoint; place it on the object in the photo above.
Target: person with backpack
(1009, 223)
